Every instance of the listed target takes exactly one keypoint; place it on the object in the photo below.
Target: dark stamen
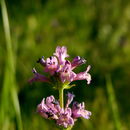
(50, 57)
(49, 114)
(55, 102)
(38, 61)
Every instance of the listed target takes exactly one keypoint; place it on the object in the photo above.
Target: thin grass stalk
(9, 93)
(113, 103)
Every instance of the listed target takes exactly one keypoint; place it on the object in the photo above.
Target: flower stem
(61, 97)
(69, 128)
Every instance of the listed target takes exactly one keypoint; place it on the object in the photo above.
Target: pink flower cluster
(61, 74)
(50, 109)
(58, 66)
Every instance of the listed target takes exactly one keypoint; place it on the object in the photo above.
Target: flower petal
(61, 53)
(78, 110)
(38, 77)
(70, 99)
(84, 75)
(77, 61)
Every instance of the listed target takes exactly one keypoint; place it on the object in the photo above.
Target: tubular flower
(61, 69)
(51, 65)
(61, 54)
(84, 75)
(78, 110)
(49, 109)
(38, 77)
(77, 61)
(70, 97)
(66, 74)
(63, 116)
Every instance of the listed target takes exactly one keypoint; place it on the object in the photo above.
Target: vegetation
(95, 30)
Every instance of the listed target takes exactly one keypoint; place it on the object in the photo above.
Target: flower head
(50, 109)
(61, 69)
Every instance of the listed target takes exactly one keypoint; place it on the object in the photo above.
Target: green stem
(69, 128)
(61, 97)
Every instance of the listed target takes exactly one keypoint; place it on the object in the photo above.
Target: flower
(61, 69)
(38, 77)
(70, 97)
(84, 75)
(61, 53)
(66, 73)
(65, 118)
(50, 109)
(51, 65)
(78, 110)
(77, 61)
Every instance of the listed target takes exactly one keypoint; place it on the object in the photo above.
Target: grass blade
(113, 103)
(9, 97)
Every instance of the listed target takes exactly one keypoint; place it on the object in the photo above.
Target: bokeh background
(99, 31)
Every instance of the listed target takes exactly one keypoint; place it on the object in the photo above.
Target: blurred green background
(99, 31)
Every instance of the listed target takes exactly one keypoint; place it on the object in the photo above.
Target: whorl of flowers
(61, 69)
(50, 109)
(61, 74)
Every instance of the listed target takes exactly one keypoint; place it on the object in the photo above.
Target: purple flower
(42, 61)
(66, 73)
(70, 97)
(42, 109)
(77, 61)
(61, 69)
(38, 77)
(84, 75)
(78, 110)
(51, 65)
(61, 53)
(61, 75)
(50, 109)
(65, 118)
